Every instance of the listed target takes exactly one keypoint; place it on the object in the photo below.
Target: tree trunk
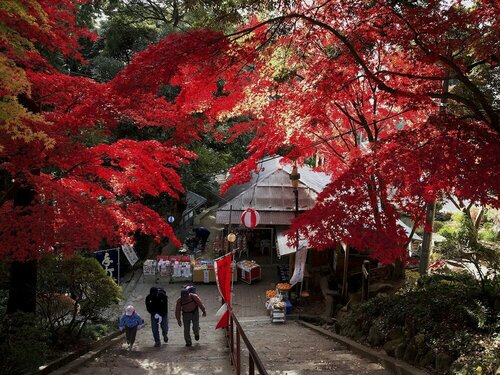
(425, 253)
(22, 291)
(23, 275)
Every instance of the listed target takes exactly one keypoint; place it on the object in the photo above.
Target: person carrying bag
(189, 304)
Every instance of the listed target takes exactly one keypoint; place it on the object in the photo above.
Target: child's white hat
(129, 310)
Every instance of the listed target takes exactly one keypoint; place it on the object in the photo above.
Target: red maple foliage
(67, 183)
(361, 85)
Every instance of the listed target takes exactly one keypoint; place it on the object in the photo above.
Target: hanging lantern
(250, 218)
(231, 237)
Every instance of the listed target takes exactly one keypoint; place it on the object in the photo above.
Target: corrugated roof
(271, 189)
(266, 217)
(193, 201)
(408, 231)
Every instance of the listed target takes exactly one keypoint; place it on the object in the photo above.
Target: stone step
(290, 348)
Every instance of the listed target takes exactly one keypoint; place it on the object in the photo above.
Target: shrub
(92, 291)
(23, 343)
(96, 331)
(488, 233)
(437, 226)
(449, 313)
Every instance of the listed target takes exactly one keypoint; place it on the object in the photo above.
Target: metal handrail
(235, 353)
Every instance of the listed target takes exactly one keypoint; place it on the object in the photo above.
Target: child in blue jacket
(131, 322)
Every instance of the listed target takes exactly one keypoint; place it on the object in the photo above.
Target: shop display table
(248, 271)
(149, 269)
(204, 272)
(278, 316)
(176, 268)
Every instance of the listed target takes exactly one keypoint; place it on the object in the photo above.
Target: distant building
(193, 203)
(270, 192)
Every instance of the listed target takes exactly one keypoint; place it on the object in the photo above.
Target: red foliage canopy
(358, 86)
(66, 183)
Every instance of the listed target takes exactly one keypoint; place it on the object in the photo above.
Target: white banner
(300, 262)
(130, 253)
(206, 276)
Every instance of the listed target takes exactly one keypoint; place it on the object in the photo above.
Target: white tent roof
(271, 194)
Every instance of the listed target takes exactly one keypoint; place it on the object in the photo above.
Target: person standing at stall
(189, 305)
(202, 235)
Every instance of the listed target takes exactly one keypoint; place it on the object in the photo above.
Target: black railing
(254, 361)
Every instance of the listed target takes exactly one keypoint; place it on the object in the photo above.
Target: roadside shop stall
(204, 272)
(248, 271)
(278, 303)
(172, 268)
(149, 269)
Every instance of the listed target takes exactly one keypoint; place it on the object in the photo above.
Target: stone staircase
(292, 349)
(207, 356)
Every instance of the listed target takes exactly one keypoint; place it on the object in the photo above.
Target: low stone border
(75, 359)
(399, 367)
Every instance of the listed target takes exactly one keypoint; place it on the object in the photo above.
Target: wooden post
(238, 352)
(365, 275)
(344, 278)
(229, 229)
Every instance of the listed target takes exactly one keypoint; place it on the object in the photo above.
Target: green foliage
(124, 38)
(96, 331)
(450, 313)
(449, 229)
(84, 280)
(22, 343)
(104, 68)
(214, 157)
(463, 245)
(437, 226)
(488, 233)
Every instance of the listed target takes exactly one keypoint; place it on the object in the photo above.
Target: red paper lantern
(250, 218)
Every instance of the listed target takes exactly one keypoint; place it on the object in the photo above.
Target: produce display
(271, 293)
(283, 286)
(279, 305)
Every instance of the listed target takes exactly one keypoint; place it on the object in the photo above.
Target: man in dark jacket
(202, 235)
(157, 306)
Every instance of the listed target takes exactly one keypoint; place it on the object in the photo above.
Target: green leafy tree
(88, 289)
(462, 244)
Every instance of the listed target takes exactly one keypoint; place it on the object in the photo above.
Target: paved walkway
(285, 349)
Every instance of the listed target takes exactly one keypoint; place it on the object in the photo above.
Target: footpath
(285, 349)
(290, 348)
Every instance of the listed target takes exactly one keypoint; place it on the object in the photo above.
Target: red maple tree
(67, 183)
(361, 84)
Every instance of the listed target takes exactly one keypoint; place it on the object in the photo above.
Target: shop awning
(283, 248)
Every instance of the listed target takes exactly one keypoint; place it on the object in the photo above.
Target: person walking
(189, 304)
(157, 306)
(202, 235)
(131, 322)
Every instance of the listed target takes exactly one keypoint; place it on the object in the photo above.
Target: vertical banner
(110, 261)
(223, 271)
(130, 253)
(206, 276)
(300, 262)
